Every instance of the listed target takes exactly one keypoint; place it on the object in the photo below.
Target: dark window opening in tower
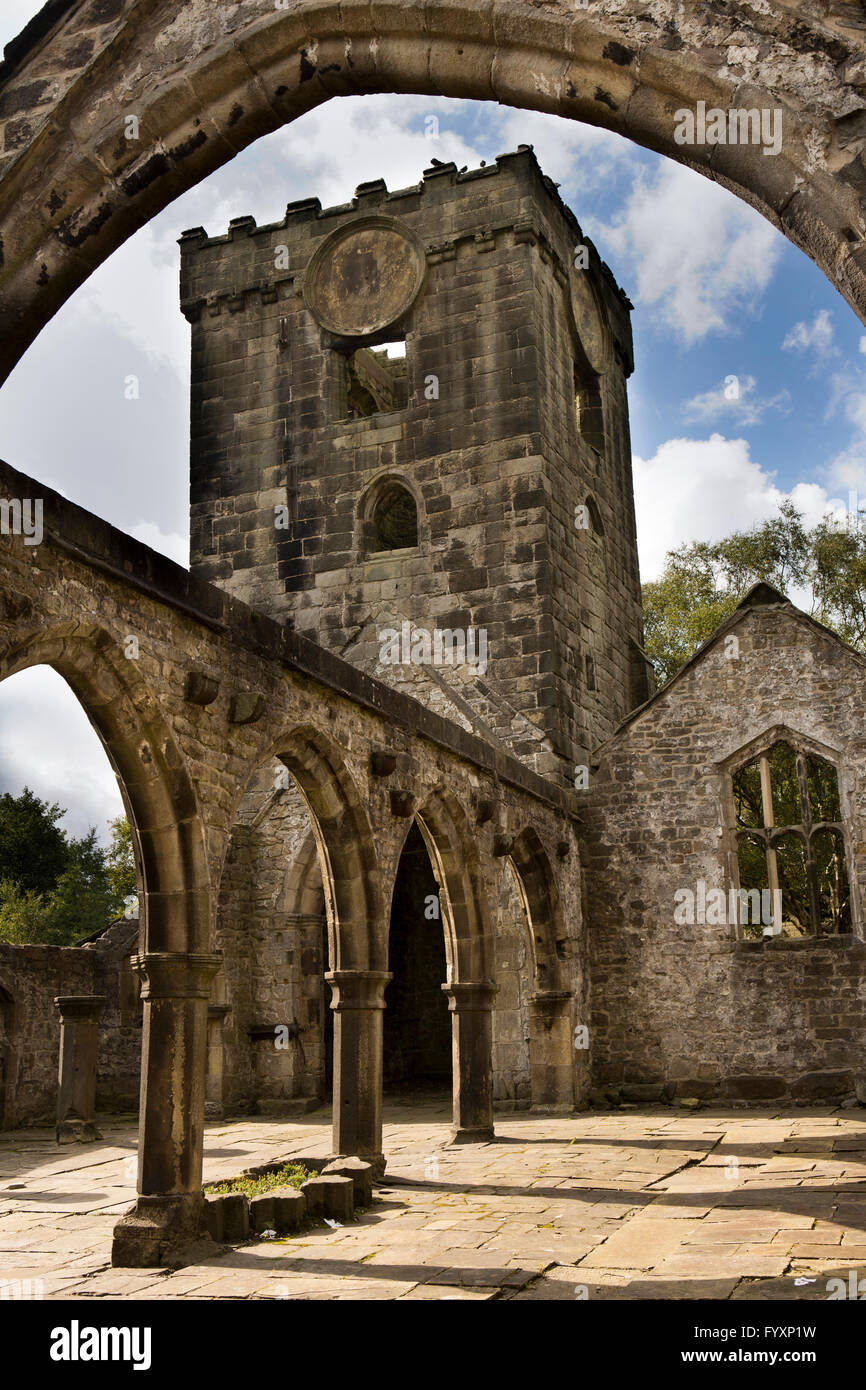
(417, 1025)
(594, 514)
(395, 520)
(589, 409)
(376, 381)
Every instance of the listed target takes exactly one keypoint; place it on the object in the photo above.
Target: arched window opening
(376, 380)
(791, 845)
(394, 522)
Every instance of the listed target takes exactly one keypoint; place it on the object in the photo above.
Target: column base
(160, 1233)
(472, 1136)
(76, 1132)
(558, 1108)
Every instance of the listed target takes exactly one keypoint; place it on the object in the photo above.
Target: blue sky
(717, 293)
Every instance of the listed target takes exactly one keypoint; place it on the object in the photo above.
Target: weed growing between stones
(290, 1175)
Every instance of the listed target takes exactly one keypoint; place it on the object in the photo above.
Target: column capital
(358, 989)
(470, 996)
(175, 974)
(79, 1008)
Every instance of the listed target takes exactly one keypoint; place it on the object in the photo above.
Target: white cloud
(735, 396)
(175, 546)
(579, 157)
(48, 744)
(817, 335)
(702, 490)
(699, 254)
(863, 345)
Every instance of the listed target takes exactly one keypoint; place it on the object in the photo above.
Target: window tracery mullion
(772, 860)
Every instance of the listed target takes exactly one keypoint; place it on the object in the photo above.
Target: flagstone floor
(632, 1204)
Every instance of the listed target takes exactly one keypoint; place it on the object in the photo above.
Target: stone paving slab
(644, 1203)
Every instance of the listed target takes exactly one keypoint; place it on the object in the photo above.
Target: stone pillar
(471, 1007)
(76, 1077)
(550, 1052)
(168, 1213)
(213, 1095)
(358, 999)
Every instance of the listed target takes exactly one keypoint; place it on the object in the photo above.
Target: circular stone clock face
(364, 277)
(590, 324)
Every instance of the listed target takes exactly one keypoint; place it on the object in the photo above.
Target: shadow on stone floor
(793, 1201)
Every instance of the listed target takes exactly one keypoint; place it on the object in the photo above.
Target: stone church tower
(409, 418)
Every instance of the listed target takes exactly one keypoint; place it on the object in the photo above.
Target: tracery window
(791, 841)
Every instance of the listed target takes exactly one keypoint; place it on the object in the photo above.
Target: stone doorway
(417, 1024)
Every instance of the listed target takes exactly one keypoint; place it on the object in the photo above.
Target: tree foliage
(823, 569)
(120, 860)
(56, 889)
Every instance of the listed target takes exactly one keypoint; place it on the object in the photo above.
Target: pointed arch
(157, 792)
(454, 856)
(203, 95)
(536, 885)
(357, 931)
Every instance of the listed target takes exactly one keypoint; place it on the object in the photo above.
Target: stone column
(76, 1077)
(358, 999)
(167, 1215)
(550, 1052)
(471, 1007)
(213, 1095)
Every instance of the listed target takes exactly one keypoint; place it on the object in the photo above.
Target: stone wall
(690, 1010)
(271, 930)
(31, 977)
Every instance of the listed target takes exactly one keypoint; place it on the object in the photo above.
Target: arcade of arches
(249, 754)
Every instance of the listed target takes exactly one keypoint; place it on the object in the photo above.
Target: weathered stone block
(227, 1216)
(262, 1213)
(361, 1174)
(290, 1208)
(330, 1196)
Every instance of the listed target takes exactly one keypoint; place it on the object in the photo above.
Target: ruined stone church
(408, 812)
(410, 423)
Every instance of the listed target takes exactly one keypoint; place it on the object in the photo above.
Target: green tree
(82, 901)
(702, 583)
(120, 863)
(33, 848)
(55, 889)
(22, 914)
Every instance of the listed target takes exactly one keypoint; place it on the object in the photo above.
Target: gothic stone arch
(471, 988)
(202, 79)
(550, 1046)
(174, 961)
